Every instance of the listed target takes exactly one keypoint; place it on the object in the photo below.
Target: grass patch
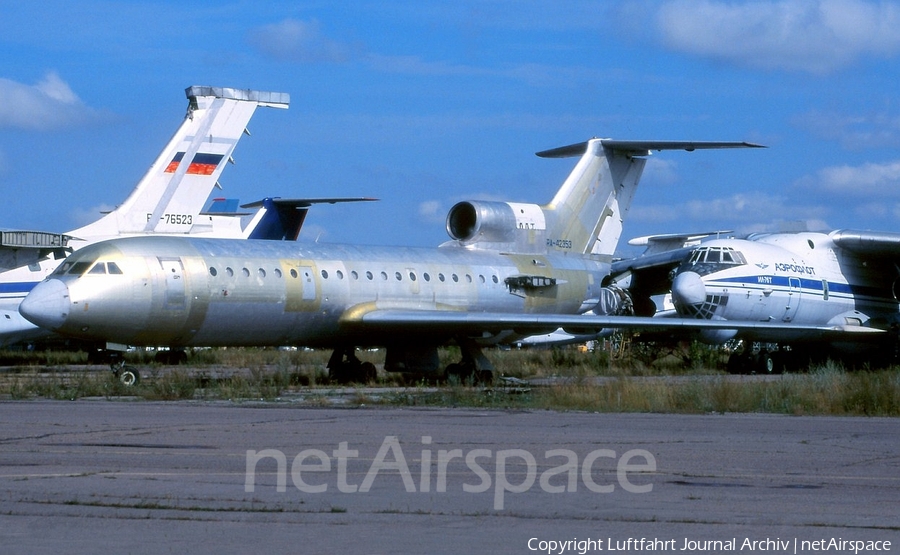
(587, 381)
(825, 392)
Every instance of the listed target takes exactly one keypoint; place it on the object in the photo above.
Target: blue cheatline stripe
(806, 284)
(17, 287)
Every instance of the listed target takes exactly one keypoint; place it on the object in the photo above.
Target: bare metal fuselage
(206, 292)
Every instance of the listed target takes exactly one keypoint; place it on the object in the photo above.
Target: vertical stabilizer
(170, 197)
(588, 211)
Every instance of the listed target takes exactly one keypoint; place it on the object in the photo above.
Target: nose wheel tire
(128, 375)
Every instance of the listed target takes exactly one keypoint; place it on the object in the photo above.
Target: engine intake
(498, 225)
(470, 221)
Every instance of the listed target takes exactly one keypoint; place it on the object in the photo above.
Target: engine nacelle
(614, 301)
(472, 222)
(716, 337)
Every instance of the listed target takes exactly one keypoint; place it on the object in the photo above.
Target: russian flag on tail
(202, 164)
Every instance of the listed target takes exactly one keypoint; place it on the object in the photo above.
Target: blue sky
(423, 104)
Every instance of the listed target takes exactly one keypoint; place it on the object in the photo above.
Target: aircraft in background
(509, 270)
(627, 291)
(845, 281)
(168, 200)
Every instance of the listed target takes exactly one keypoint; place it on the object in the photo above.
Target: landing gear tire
(128, 375)
(764, 363)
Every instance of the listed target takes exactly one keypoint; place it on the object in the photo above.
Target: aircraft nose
(47, 305)
(688, 289)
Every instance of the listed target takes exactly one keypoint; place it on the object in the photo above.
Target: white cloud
(866, 180)
(293, 40)
(855, 132)
(744, 211)
(817, 37)
(431, 211)
(48, 104)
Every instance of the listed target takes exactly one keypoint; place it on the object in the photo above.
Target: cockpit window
(706, 260)
(79, 268)
(88, 267)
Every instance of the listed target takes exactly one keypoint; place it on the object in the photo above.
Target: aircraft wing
(22, 247)
(663, 243)
(476, 324)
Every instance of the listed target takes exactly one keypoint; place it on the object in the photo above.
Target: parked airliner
(846, 281)
(510, 269)
(168, 200)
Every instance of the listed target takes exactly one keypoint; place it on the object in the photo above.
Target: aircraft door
(793, 299)
(174, 272)
(301, 286)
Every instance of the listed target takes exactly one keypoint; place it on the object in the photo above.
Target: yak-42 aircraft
(845, 281)
(510, 270)
(169, 199)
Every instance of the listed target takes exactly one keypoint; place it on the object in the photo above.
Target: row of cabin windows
(339, 274)
(261, 272)
(354, 275)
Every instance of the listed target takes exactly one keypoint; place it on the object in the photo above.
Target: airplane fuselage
(800, 278)
(205, 292)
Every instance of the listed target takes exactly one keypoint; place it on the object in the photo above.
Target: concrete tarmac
(98, 476)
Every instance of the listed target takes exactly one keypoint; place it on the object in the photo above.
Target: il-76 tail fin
(171, 195)
(587, 213)
(280, 219)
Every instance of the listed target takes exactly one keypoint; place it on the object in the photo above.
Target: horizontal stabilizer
(262, 98)
(281, 219)
(643, 148)
(305, 202)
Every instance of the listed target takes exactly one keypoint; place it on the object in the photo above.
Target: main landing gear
(755, 361)
(414, 361)
(345, 367)
(474, 368)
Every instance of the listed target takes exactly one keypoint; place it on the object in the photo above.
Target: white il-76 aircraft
(845, 281)
(168, 200)
(511, 269)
